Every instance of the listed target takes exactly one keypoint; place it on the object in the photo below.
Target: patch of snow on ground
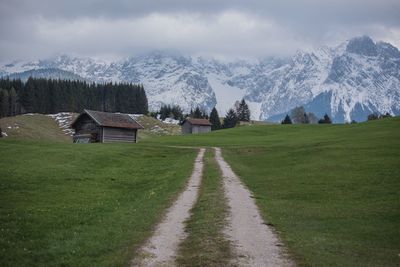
(4, 134)
(157, 129)
(15, 127)
(135, 116)
(170, 121)
(64, 119)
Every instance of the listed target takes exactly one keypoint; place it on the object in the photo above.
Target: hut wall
(118, 135)
(85, 126)
(200, 129)
(186, 128)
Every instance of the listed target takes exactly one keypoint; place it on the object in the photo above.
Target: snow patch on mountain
(226, 95)
(347, 82)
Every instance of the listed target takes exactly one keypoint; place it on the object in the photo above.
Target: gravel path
(255, 243)
(161, 248)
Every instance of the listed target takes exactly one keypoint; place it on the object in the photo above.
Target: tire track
(256, 244)
(161, 248)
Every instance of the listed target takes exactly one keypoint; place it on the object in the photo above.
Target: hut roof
(201, 122)
(107, 119)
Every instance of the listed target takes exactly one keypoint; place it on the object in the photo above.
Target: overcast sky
(225, 28)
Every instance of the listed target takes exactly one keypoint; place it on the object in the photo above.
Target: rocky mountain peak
(347, 82)
(363, 45)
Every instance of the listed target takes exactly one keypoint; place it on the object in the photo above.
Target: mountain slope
(347, 82)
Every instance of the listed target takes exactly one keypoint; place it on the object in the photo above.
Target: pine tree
(214, 120)
(176, 112)
(243, 111)
(204, 114)
(230, 119)
(197, 113)
(13, 102)
(28, 95)
(325, 119)
(287, 120)
(373, 116)
(4, 104)
(142, 101)
(306, 119)
(165, 112)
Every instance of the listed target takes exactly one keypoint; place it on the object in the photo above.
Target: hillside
(154, 127)
(56, 127)
(34, 127)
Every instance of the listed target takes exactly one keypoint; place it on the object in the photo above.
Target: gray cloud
(225, 28)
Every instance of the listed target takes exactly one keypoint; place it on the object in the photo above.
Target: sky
(110, 29)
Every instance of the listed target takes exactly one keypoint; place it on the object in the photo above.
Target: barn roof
(201, 122)
(115, 120)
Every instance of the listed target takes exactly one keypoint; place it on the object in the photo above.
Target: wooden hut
(194, 126)
(104, 127)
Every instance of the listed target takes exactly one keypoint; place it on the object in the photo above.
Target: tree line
(298, 115)
(49, 96)
(240, 112)
(376, 116)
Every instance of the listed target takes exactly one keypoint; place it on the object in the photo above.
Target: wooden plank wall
(119, 135)
(186, 128)
(201, 129)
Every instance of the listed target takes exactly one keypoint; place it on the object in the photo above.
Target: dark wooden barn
(194, 126)
(104, 127)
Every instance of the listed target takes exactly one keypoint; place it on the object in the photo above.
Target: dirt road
(161, 248)
(256, 244)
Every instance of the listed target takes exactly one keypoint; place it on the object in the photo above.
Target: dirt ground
(161, 248)
(256, 244)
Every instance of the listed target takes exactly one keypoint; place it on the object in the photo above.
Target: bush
(325, 119)
(373, 116)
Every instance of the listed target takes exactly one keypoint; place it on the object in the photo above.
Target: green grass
(331, 191)
(83, 205)
(206, 244)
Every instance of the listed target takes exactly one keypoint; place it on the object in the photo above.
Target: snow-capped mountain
(347, 82)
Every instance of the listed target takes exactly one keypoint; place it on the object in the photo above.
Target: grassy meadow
(83, 205)
(331, 191)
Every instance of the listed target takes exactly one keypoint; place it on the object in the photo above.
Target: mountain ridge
(347, 82)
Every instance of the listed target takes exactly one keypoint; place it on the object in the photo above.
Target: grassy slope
(154, 128)
(206, 244)
(331, 190)
(45, 128)
(83, 205)
(33, 127)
